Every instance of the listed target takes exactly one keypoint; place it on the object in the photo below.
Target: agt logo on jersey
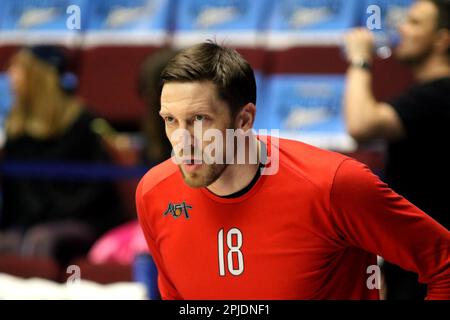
(176, 210)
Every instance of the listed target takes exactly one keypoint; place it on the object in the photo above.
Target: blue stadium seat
(392, 12)
(128, 21)
(120, 34)
(298, 22)
(237, 22)
(28, 21)
(306, 108)
(3, 11)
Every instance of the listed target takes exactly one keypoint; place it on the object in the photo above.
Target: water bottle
(385, 42)
(145, 272)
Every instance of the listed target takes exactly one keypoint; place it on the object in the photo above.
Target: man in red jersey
(309, 229)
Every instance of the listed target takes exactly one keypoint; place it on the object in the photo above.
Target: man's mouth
(191, 164)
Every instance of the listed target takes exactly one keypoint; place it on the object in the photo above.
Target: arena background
(293, 45)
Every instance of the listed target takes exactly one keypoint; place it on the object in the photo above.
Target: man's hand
(365, 117)
(359, 45)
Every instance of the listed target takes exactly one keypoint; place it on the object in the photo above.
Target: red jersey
(311, 231)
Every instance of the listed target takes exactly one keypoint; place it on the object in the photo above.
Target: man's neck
(435, 67)
(234, 178)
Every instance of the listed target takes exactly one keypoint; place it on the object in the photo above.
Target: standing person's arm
(369, 215)
(365, 117)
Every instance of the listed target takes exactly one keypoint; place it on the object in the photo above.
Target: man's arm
(166, 288)
(365, 117)
(369, 215)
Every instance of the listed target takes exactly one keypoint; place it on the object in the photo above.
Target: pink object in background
(120, 245)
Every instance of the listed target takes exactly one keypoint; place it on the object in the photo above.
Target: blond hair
(43, 110)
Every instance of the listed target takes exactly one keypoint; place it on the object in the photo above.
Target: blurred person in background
(125, 242)
(157, 146)
(44, 217)
(415, 124)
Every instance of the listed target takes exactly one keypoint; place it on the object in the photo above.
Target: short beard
(416, 60)
(213, 172)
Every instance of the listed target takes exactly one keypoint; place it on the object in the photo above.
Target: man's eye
(199, 117)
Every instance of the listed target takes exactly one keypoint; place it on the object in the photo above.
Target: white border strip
(246, 39)
(341, 142)
(20, 38)
(138, 38)
(272, 40)
(278, 40)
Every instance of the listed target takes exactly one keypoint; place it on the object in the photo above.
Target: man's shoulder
(298, 153)
(158, 174)
(317, 165)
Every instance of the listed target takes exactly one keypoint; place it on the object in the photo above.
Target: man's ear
(246, 117)
(443, 41)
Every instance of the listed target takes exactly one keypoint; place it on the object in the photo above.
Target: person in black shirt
(40, 216)
(416, 124)
(418, 165)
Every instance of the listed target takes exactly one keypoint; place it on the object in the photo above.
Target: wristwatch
(362, 64)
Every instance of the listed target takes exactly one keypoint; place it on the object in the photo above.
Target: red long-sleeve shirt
(308, 232)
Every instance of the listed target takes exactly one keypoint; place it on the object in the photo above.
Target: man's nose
(183, 135)
(401, 29)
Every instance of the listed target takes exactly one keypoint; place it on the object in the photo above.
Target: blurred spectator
(158, 147)
(125, 242)
(415, 124)
(52, 217)
(120, 245)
